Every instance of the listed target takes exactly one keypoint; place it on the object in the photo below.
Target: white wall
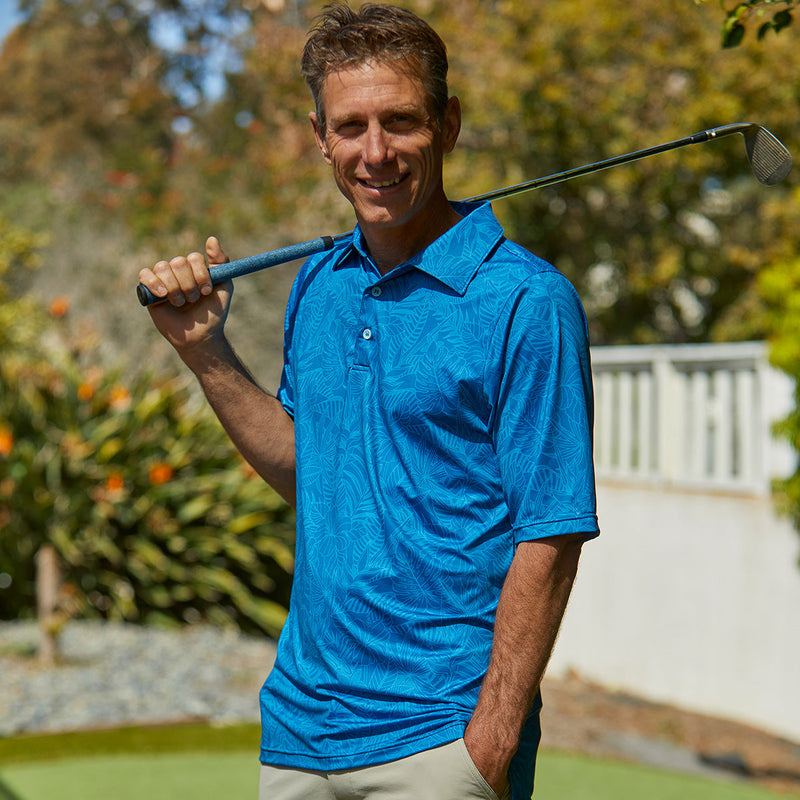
(692, 599)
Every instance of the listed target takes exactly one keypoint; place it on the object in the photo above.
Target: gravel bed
(114, 674)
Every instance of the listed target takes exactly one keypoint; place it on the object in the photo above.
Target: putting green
(125, 777)
(561, 776)
(209, 776)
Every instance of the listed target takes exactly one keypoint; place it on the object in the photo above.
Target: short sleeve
(286, 388)
(544, 412)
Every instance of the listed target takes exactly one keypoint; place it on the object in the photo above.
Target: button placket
(367, 324)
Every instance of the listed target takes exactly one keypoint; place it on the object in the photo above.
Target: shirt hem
(586, 524)
(369, 758)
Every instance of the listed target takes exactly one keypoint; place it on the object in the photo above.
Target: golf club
(769, 160)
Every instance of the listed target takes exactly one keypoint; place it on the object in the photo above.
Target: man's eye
(349, 128)
(400, 122)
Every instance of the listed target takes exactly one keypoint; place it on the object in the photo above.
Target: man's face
(384, 144)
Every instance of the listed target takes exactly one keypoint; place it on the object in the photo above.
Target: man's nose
(377, 146)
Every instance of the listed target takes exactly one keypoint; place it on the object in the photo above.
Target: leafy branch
(775, 15)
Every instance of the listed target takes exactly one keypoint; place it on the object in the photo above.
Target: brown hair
(342, 38)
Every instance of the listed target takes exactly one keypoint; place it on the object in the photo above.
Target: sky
(8, 9)
(165, 35)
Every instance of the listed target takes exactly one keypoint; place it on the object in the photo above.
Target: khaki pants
(444, 773)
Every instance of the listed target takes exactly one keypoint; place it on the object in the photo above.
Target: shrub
(155, 516)
(779, 286)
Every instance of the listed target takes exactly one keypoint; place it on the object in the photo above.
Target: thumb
(214, 253)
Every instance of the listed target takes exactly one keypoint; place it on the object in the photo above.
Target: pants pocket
(485, 791)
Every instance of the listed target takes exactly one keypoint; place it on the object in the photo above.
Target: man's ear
(451, 126)
(319, 137)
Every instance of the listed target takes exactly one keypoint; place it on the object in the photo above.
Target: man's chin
(380, 218)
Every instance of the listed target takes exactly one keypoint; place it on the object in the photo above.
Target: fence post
(667, 416)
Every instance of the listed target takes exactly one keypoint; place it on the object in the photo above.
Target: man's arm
(531, 607)
(192, 321)
(255, 421)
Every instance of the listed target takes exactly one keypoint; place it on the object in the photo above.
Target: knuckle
(176, 298)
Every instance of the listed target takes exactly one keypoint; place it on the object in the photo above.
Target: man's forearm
(255, 421)
(529, 614)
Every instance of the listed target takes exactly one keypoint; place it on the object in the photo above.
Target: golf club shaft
(597, 166)
(234, 269)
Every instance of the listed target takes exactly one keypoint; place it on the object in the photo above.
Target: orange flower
(59, 307)
(115, 483)
(120, 398)
(85, 392)
(160, 473)
(6, 441)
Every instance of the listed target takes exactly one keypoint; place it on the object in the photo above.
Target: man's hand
(193, 321)
(489, 756)
(195, 311)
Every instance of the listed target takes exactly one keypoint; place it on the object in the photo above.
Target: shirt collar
(454, 257)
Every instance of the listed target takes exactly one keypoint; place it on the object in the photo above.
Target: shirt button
(366, 333)
(377, 291)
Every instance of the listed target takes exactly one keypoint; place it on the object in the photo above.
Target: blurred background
(132, 129)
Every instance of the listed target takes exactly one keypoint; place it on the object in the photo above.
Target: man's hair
(343, 38)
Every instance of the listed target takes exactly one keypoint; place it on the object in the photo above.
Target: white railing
(696, 416)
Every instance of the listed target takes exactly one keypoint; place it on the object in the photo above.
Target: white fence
(691, 594)
(690, 416)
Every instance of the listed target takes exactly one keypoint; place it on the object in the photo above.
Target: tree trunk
(48, 582)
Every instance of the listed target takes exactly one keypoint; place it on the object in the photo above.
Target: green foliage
(19, 252)
(664, 250)
(154, 515)
(772, 16)
(780, 289)
(84, 84)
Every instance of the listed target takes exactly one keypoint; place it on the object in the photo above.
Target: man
(433, 428)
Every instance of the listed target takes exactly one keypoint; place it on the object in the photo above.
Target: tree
(772, 15)
(94, 97)
(663, 250)
(780, 291)
(79, 85)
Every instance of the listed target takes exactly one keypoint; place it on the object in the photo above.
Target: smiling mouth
(387, 184)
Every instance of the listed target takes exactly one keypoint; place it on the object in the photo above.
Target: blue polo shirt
(443, 414)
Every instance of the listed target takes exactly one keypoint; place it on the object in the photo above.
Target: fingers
(184, 279)
(215, 253)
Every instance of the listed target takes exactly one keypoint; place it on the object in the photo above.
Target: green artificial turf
(199, 776)
(562, 776)
(159, 739)
(206, 763)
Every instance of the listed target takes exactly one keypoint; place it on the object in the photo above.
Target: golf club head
(770, 161)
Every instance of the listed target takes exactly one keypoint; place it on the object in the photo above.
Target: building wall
(691, 595)
(690, 599)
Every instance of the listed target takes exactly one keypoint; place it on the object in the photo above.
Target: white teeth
(383, 184)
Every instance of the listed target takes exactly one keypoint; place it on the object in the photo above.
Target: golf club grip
(244, 266)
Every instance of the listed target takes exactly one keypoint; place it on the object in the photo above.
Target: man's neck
(391, 246)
